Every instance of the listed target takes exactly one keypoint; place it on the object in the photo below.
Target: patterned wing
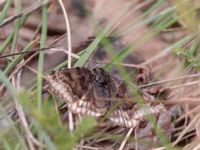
(75, 87)
(131, 115)
(132, 118)
(70, 85)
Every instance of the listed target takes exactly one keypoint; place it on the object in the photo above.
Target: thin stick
(183, 85)
(41, 49)
(23, 120)
(71, 125)
(170, 80)
(35, 71)
(126, 138)
(68, 32)
(137, 66)
(19, 109)
(186, 100)
(65, 51)
(193, 121)
(30, 51)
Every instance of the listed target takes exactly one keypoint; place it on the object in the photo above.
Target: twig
(170, 80)
(65, 51)
(26, 52)
(19, 109)
(71, 125)
(57, 39)
(193, 121)
(186, 100)
(137, 66)
(183, 85)
(35, 71)
(126, 138)
(69, 45)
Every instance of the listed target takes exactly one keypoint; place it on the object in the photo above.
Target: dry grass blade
(30, 138)
(69, 45)
(125, 139)
(171, 80)
(26, 52)
(191, 124)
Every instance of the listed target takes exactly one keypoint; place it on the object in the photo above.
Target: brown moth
(83, 90)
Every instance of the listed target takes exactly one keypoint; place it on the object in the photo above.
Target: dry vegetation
(152, 44)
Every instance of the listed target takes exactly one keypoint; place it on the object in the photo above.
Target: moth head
(100, 75)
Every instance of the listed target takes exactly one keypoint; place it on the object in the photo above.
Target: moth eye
(97, 78)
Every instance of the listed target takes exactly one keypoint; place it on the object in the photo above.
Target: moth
(83, 90)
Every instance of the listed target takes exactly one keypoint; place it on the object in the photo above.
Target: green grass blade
(6, 42)
(5, 10)
(17, 27)
(41, 55)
